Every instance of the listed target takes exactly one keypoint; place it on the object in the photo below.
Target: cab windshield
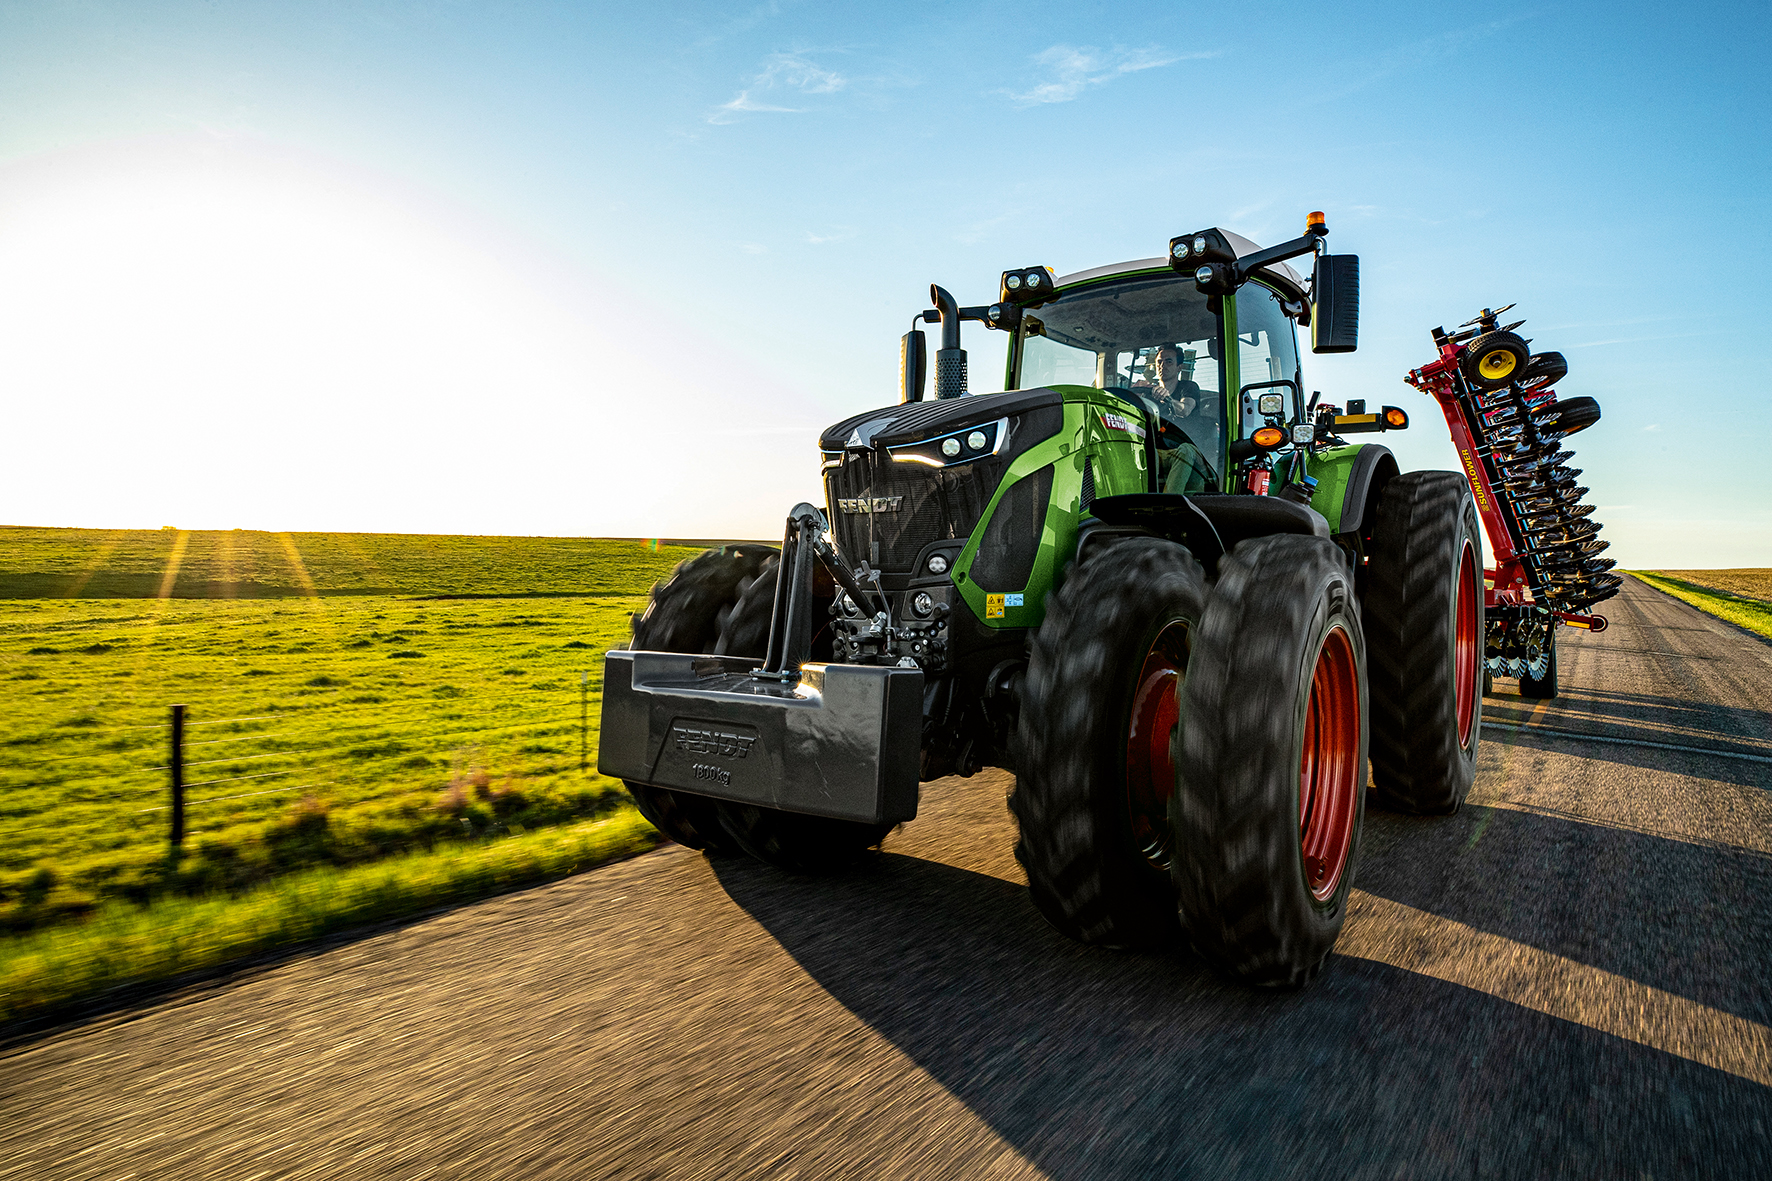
(1153, 340)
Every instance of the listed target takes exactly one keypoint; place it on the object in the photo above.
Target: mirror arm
(1308, 244)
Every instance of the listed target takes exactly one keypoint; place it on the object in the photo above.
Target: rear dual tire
(1271, 795)
(1092, 745)
(1196, 760)
(1424, 636)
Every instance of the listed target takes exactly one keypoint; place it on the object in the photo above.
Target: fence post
(584, 706)
(177, 763)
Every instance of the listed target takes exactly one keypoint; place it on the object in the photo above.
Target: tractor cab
(1209, 370)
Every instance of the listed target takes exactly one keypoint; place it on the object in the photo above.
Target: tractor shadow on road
(1103, 1064)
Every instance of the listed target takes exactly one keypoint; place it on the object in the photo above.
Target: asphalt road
(1569, 978)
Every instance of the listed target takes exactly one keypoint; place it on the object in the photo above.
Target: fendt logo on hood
(1120, 422)
(877, 504)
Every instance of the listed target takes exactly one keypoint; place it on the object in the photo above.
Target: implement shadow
(1689, 919)
(1626, 723)
(1100, 1064)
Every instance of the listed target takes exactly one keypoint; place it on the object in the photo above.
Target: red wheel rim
(1330, 776)
(1150, 760)
(1464, 645)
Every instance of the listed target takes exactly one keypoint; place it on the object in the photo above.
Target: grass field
(1743, 597)
(338, 713)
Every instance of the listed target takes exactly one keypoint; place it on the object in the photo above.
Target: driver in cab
(1176, 394)
(1178, 401)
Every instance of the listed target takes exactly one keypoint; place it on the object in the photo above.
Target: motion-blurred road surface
(1571, 977)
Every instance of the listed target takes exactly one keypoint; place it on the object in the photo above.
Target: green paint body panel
(1117, 458)
(1332, 469)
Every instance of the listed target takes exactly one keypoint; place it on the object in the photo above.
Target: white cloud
(781, 71)
(1654, 426)
(744, 104)
(790, 69)
(836, 235)
(1075, 69)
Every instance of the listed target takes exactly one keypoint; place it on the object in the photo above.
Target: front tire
(787, 840)
(1424, 637)
(686, 613)
(1271, 796)
(1094, 743)
(799, 843)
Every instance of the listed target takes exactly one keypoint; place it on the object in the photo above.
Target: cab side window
(1267, 346)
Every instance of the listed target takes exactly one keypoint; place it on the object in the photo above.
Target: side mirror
(1335, 296)
(913, 366)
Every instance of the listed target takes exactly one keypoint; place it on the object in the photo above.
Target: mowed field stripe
(1392, 933)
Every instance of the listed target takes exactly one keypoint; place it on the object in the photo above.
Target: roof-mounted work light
(1191, 251)
(1029, 287)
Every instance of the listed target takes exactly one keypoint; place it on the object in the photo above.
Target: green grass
(123, 944)
(1752, 613)
(357, 699)
(249, 564)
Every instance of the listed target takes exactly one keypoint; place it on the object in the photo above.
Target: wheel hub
(1464, 645)
(1150, 752)
(1330, 774)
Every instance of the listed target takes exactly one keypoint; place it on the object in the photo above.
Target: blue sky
(600, 269)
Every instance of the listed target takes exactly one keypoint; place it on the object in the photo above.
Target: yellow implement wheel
(1496, 364)
(1493, 359)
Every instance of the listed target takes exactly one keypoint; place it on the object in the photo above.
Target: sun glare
(212, 335)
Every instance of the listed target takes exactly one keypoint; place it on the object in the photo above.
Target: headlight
(1013, 282)
(1180, 250)
(938, 564)
(922, 603)
(962, 446)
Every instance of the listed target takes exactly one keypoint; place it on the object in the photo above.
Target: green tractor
(1150, 578)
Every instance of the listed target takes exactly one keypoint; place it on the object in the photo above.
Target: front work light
(1272, 403)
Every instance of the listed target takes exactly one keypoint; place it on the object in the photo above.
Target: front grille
(931, 504)
(1011, 541)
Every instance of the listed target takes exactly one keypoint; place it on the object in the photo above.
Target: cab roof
(1243, 246)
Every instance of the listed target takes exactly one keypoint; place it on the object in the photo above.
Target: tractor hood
(911, 422)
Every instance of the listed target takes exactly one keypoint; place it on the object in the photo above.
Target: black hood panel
(908, 422)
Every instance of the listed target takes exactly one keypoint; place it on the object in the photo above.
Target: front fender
(1349, 481)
